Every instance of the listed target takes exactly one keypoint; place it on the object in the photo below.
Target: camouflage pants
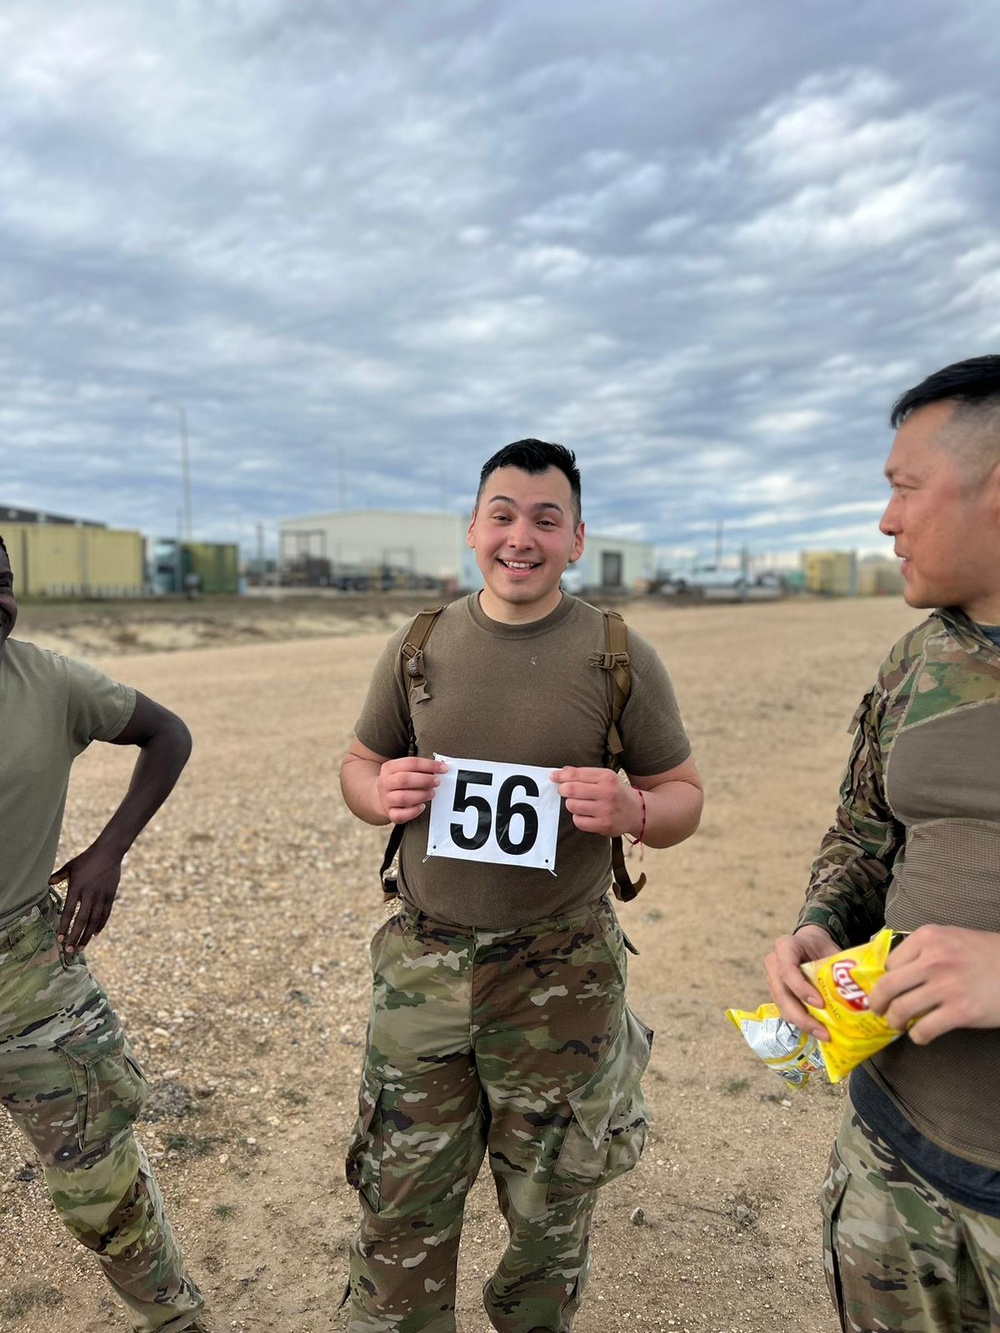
(68, 1078)
(900, 1257)
(515, 1042)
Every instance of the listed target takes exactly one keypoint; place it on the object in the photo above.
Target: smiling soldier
(912, 1199)
(498, 1020)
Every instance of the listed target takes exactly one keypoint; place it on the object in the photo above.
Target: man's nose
(889, 523)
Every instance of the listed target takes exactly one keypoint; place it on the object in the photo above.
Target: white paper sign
(507, 814)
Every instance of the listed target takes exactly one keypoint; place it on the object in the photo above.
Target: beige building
(433, 546)
(831, 573)
(879, 577)
(74, 560)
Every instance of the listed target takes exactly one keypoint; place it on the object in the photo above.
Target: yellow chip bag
(844, 980)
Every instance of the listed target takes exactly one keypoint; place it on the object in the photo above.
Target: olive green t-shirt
(523, 695)
(51, 708)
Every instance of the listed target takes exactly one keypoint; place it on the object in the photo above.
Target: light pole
(185, 462)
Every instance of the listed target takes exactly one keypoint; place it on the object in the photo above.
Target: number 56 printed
(507, 814)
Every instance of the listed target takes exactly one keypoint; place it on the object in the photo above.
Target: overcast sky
(704, 243)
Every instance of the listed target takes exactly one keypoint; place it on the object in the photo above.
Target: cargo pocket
(831, 1196)
(110, 1090)
(607, 1132)
(364, 1152)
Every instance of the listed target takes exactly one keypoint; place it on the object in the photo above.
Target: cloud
(705, 249)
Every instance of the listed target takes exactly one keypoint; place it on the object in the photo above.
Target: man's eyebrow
(542, 504)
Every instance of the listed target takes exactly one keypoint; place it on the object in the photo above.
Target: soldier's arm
(93, 876)
(850, 876)
(845, 898)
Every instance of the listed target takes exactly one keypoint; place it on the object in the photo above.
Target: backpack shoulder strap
(620, 674)
(615, 661)
(411, 659)
(411, 656)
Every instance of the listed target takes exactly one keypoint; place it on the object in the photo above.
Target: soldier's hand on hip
(91, 880)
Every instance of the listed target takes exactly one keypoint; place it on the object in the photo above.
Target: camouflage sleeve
(850, 876)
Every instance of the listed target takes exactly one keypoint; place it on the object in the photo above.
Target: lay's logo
(842, 974)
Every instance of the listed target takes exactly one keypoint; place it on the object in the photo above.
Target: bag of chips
(844, 980)
(791, 1053)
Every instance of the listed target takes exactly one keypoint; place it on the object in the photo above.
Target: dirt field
(237, 957)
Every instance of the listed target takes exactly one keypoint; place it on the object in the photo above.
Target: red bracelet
(636, 841)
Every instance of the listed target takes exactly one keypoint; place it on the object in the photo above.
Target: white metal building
(432, 545)
(428, 545)
(616, 562)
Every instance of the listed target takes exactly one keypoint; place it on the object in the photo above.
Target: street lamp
(185, 463)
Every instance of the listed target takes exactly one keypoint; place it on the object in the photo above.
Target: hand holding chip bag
(844, 980)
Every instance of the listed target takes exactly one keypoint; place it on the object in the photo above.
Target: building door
(611, 569)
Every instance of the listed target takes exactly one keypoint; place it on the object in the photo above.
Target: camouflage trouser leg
(521, 1294)
(516, 1041)
(68, 1078)
(900, 1257)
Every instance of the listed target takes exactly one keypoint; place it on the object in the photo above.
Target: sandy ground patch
(237, 956)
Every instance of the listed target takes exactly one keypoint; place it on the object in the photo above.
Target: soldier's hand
(404, 786)
(944, 977)
(790, 989)
(91, 880)
(599, 801)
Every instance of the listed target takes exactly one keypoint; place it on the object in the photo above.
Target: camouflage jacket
(935, 670)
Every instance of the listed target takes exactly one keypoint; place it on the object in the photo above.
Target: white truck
(707, 577)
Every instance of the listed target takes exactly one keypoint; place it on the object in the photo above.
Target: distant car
(709, 576)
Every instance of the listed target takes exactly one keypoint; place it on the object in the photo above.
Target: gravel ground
(237, 958)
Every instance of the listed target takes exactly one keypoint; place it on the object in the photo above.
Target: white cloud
(705, 256)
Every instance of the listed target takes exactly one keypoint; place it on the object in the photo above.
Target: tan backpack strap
(411, 657)
(624, 886)
(615, 661)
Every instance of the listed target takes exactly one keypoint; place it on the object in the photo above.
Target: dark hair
(535, 456)
(3, 547)
(971, 382)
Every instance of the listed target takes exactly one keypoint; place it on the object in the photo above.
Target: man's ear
(577, 544)
(470, 541)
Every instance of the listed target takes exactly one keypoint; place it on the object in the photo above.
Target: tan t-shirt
(518, 694)
(51, 708)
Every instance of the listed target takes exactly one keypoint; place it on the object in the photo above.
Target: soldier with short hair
(498, 1021)
(912, 1198)
(67, 1075)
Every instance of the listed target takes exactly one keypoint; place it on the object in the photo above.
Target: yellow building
(74, 560)
(832, 573)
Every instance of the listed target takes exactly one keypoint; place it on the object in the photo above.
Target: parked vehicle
(708, 576)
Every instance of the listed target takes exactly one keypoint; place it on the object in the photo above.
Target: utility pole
(181, 411)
